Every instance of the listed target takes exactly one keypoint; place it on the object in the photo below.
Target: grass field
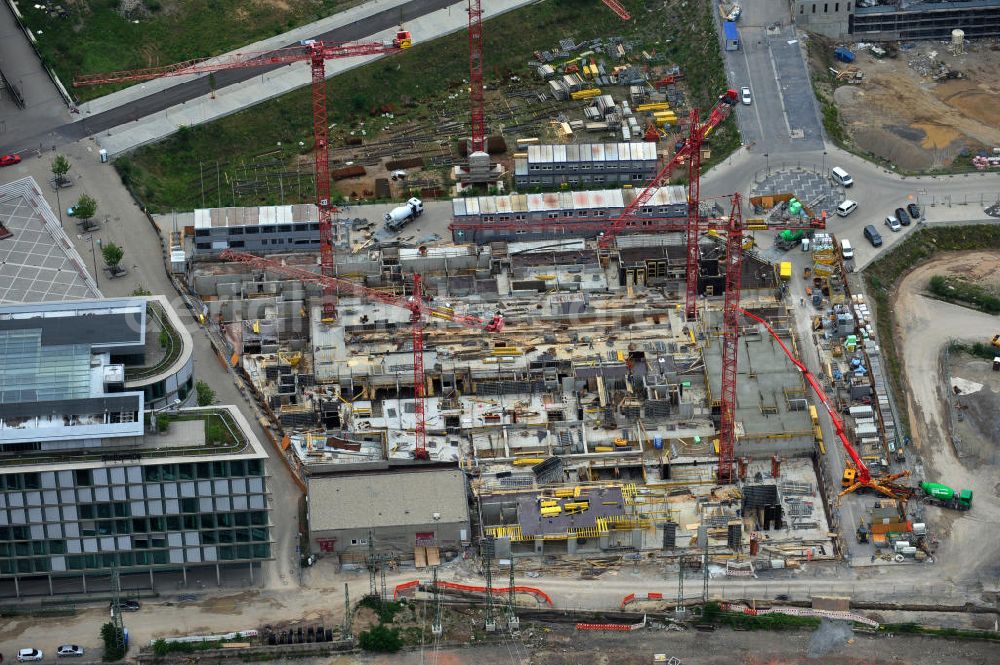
(426, 83)
(97, 36)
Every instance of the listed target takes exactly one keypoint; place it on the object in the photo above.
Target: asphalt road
(783, 117)
(68, 132)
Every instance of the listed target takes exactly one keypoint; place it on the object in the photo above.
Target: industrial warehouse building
(512, 216)
(411, 511)
(84, 487)
(547, 166)
(898, 21)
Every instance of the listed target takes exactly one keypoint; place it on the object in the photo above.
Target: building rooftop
(404, 496)
(553, 201)
(205, 218)
(205, 432)
(38, 263)
(591, 152)
(61, 377)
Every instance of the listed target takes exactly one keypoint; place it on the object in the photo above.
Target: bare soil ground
(564, 646)
(923, 328)
(901, 114)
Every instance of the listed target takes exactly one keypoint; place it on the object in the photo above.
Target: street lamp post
(824, 163)
(768, 162)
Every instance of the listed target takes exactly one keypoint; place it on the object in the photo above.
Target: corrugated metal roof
(472, 205)
(503, 204)
(545, 154)
(572, 153)
(612, 151)
(597, 152)
(559, 153)
(520, 166)
(458, 208)
(487, 205)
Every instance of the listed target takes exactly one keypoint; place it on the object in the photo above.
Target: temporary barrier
(613, 627)
(651, 595)
(534, 591)
(802, 612)
(408, 588)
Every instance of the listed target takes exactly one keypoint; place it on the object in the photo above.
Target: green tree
(381, 638)
(206, 396)
(84, 210)
(113, 255)
(141, 291)
(113, 640)
(60, 167)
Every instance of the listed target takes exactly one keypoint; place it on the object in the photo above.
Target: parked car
(914, 211)
(126, 605)
(69, 650)
(745, 95)
(847, 207)
(873, 236)
(28, 655)
(892, 223)
(903, 218)
(841, 176)
(10, 160)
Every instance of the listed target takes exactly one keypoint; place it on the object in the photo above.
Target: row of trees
(85, 210)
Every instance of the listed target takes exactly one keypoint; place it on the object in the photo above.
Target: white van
(847, 207)
(841, 176)
(846, 250)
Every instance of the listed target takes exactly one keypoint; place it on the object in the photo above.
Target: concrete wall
(823, 16)
(400, 540)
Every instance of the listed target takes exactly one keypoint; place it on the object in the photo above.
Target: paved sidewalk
(235, 98)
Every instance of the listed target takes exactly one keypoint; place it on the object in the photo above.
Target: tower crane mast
(316, 53)
(477, 103)
(691, 150)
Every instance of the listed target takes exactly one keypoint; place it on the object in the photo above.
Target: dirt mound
(893, 148)
(971, 101)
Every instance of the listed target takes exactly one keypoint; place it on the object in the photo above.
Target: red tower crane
(617, 8)
(730, 338)
(476, 98)
(314, 52)
(478, 112)
(415, 303)
(691, 150)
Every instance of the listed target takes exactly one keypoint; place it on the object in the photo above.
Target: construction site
(615, 371)
(590, 363)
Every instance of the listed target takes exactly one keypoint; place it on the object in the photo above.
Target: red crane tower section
(617, 8)
(478, 112)
(316, 53)
(691, 150)
(415, 304)
(730, 338)
(477, 102)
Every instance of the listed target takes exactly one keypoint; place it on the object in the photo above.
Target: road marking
(781, 96)
(756, 112)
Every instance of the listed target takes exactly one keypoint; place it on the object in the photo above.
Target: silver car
(28, 655)
(69, 650)
(893, 223)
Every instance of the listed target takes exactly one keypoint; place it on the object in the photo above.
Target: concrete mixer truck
(937, 494)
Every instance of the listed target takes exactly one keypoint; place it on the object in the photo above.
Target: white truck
(399, 217)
